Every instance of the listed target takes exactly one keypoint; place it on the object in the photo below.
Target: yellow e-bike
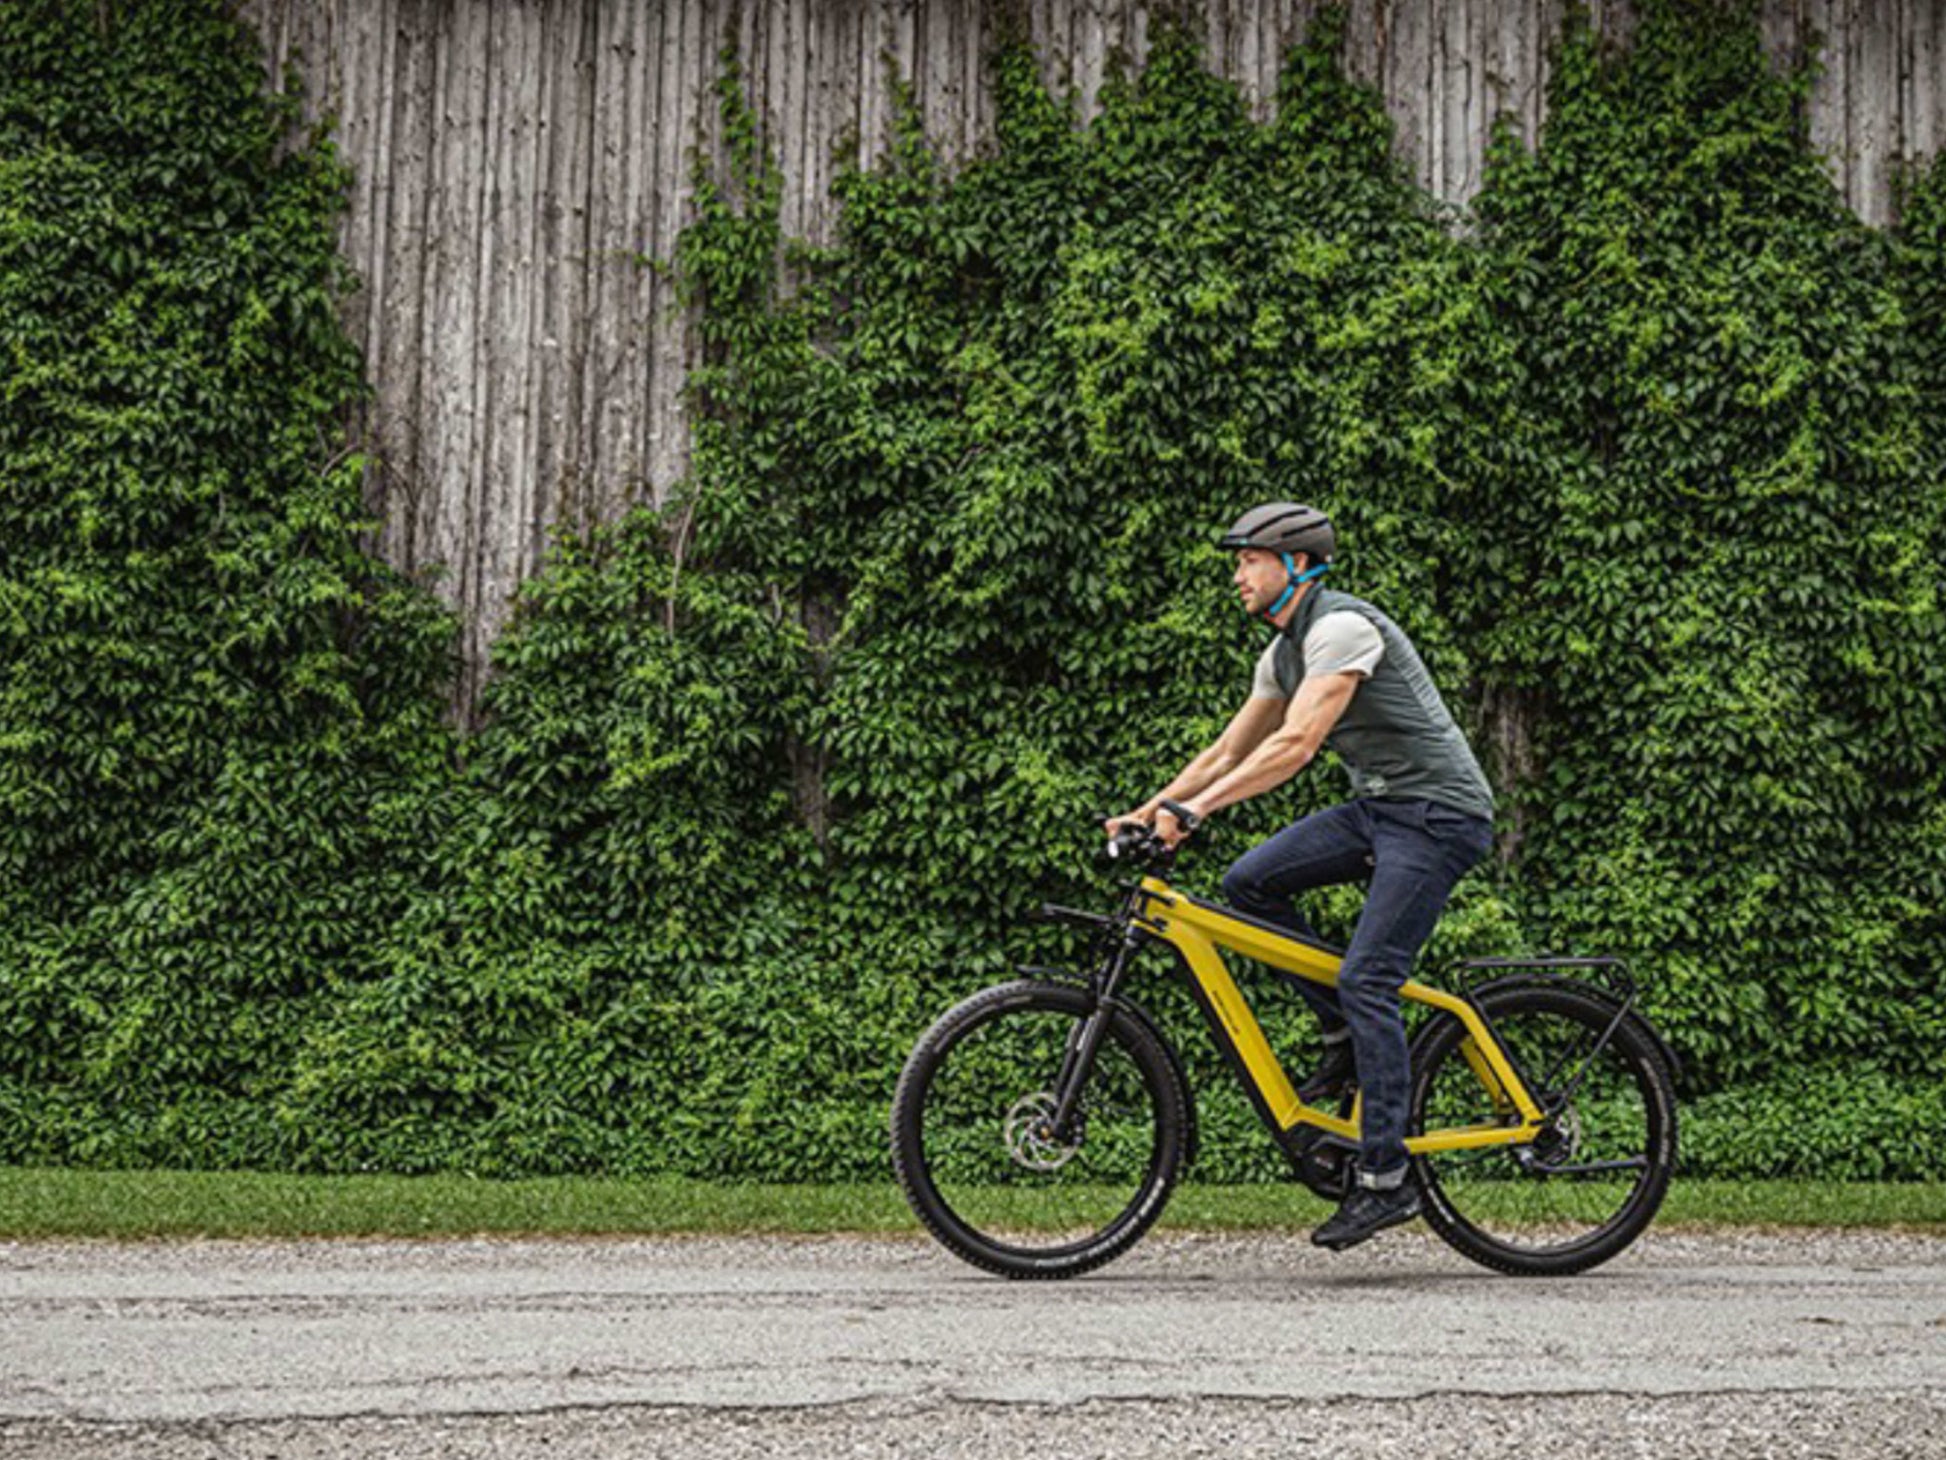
(1543, 1111)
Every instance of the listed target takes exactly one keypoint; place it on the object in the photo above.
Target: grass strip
(41, 1203)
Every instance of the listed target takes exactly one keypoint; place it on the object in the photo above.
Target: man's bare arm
(1313, 711)
(1246, 731)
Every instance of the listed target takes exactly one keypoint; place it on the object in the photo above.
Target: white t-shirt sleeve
(1263, 684)
(1342, 642)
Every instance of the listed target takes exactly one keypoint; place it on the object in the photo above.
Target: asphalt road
(1718, 1345)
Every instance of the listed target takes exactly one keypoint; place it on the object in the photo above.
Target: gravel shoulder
(1718, 1343)
(1814, 1426)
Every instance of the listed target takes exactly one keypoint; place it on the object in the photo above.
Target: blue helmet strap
(1296, 578)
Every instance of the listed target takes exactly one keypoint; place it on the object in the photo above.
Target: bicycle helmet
(1285, 528)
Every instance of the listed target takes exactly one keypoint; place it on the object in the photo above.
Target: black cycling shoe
(1333, 1079)
(1366, 1213)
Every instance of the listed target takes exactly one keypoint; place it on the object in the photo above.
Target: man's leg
(1420, 850)
(1322, 849)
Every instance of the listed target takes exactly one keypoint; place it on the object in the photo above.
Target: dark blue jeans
(1413, 852)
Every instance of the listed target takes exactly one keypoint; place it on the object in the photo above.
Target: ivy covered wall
(1645, 451)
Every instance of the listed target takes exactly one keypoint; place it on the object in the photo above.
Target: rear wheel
(1593, 1181)
(974, 1155)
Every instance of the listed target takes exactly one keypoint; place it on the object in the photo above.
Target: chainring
(1322, 1163)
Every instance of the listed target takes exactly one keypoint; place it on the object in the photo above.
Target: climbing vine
(1707, 484)
(1645, 454)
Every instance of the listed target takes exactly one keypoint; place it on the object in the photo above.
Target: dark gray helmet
(1284, 527)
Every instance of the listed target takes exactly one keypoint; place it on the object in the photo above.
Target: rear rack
(1607, 972)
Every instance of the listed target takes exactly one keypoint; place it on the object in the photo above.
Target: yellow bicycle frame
(1197, 929)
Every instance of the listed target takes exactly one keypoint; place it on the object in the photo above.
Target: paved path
(829, 1345)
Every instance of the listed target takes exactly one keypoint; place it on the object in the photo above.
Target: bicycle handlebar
(1134, 841)
(1140, 843)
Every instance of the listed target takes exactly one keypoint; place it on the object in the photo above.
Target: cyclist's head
(1279, 546)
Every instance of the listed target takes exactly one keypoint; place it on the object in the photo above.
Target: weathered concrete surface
(1826, 1344)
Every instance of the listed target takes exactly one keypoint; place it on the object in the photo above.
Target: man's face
(1259, 578)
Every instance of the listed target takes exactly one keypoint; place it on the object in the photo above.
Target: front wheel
(973, 1152)
(1593, 1180)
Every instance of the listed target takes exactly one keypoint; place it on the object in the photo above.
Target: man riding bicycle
(1339, 672)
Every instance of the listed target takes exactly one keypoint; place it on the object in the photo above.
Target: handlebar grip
(1185, 818)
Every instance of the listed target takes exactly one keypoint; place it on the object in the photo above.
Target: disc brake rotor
(1030, 1134)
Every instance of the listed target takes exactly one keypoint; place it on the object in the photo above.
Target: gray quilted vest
(1396, 736)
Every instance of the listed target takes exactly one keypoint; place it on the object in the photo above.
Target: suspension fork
(1078, 1059)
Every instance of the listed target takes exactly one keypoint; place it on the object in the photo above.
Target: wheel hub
(1560, 1142)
